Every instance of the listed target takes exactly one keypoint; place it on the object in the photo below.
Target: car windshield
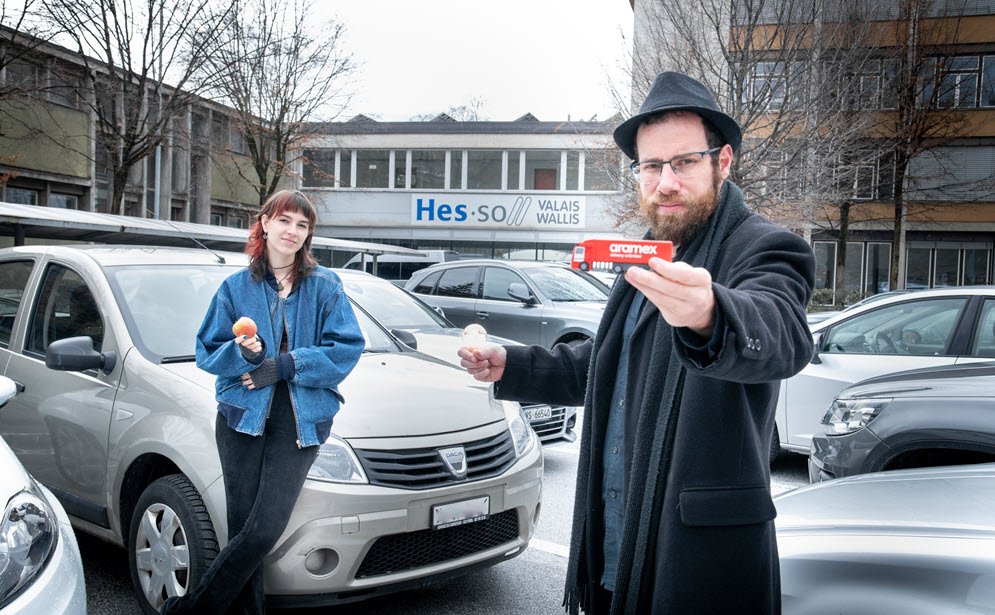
(562, 284)
(390, 305)
(164, 306)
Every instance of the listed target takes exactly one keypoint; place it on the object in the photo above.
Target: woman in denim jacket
(276, 393)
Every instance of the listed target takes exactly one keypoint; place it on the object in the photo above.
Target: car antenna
(221, 259)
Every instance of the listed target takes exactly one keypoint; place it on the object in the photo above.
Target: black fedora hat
(670, 92)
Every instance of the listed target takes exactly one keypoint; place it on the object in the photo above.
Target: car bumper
(59, 589)
(837, 456)
(352, 542)
(558, 428)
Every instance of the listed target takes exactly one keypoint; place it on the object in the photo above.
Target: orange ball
(244, 326)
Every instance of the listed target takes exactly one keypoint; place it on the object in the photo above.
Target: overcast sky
(552, 58)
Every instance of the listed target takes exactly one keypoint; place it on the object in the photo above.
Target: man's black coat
(715, 545)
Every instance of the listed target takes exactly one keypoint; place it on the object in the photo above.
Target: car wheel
(171, 541)
(775, 445)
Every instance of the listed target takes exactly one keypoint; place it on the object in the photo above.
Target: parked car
(817, 317)
(41, 570)
(916, 542)
(926, 328)
(530, 302)
(120, 428)
(398, 268)
(924, 417)
(419, 326)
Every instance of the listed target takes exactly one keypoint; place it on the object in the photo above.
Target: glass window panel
(319, 168)
(573, 166)
(372, 168)
(945, 272)
(984, 340)
(854, 256)
(456, 170)
(13, 279)
(825, 264)
(22, 196)
(497, 281)
(563, 284)
(63, 201)
(483, 170)
(976, 266)
(597, 170)
(988, 83)
(878, 268)
(65, 308)
(911, 328)
(400, 168)
(917, 268)
(458, 282)
(428, 169)
(514, 165)
(542, 170)
(426, 286)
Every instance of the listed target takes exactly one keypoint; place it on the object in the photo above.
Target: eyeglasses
(684, 166)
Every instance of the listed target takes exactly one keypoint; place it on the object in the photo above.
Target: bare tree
(278, 68)
(470, 111)
(128, 48)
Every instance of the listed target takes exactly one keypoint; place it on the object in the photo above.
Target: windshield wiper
(186, 358)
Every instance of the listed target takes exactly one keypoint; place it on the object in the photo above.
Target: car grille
(400, 552)
(423, 468)
(551, 428)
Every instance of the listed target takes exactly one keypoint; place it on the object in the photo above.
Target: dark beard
(681, 228)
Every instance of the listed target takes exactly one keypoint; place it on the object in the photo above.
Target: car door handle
(482, 314)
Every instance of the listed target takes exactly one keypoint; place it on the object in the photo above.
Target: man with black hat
(673, 512)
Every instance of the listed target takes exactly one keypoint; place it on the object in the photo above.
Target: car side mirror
(76, 354)
(406, 337)
(517, 290)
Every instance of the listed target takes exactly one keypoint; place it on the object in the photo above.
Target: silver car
(421, 327)
(120, 427)
(40, 567)
(926, 328)
(916, 542)
(526, 301)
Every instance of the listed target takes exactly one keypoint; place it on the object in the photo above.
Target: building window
(319, 168)
(976, 266)
(483, 170)
(217, 219)
(573, 170)
(988, 83)
(959, 85)
(825, 264)
(455, 170)
(61, 90)
(945, 268)
(769, 85)
(372, 168)
(22, 196)
(428, 169)
(514, 170)
(598, 166)
(878, 268)
(63, 201)
(917, 268)
(21, 77)
(869, 91)
(854, 256)
(400, 169)
(542, 170)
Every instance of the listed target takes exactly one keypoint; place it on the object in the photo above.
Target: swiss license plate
(461, 513)
(538, 413)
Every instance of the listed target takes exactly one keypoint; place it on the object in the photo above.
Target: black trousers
(263, 477)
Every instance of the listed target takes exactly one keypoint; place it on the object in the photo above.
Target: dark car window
(562, 284)
(908, 328)
(392, 306)
(426, 286)
(65, 308)
(984, 339)
(458, 282)
(496, 282)
(13, 279)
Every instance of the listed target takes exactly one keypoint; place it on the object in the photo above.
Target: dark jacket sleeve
(539, 375)
(762, 289)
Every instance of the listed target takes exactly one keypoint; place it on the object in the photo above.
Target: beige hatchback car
(425, 475)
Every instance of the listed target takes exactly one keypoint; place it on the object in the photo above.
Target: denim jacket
(324, 340)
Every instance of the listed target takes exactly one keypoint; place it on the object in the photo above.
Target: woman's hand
(251, 344)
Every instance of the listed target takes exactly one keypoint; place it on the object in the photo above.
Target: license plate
(538, 413)
(460, 513)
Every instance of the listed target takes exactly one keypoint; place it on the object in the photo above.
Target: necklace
(284, 267)
(280, 281)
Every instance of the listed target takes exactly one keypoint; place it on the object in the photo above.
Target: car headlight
(337, 463)
(521, 432)
(29, 531)
(848, 415)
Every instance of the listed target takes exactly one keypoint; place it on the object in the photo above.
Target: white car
(41, 571)
(901, 332)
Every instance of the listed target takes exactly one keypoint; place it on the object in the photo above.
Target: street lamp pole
(158, 147)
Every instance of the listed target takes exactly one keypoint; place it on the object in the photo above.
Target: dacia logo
(455, 460)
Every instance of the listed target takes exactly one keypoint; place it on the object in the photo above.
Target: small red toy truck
(617, 255)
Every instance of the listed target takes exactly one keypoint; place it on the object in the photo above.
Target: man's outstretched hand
(682, 293)
(486, 363)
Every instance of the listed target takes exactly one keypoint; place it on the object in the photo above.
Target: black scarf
(651, 450)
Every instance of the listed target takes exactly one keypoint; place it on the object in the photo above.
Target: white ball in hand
(474, 336)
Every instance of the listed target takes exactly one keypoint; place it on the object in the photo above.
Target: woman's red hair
(276, 204)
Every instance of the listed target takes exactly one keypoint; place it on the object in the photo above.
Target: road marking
(550, 547)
